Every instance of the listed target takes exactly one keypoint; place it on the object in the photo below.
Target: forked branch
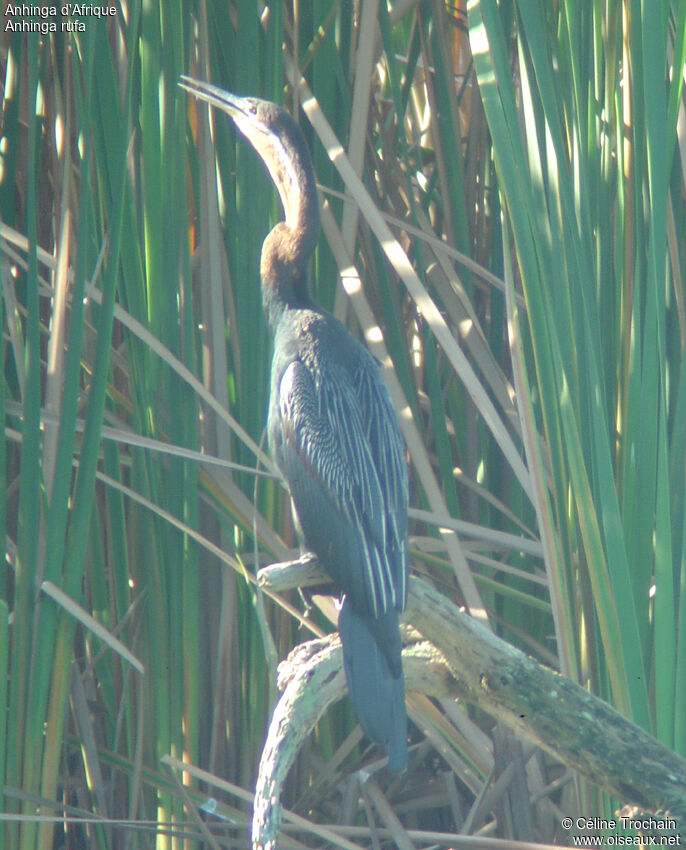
(462, 659)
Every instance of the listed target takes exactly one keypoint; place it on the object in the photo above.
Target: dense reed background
(528, 305)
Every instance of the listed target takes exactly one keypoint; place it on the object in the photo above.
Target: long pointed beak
(227, 102)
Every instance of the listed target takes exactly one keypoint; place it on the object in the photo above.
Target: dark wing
(342, 457)
(388, 450)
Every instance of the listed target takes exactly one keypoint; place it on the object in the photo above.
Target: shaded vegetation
(507, 183)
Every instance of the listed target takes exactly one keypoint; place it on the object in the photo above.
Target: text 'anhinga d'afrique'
(332, 431)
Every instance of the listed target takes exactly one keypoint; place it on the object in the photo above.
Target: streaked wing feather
(386, 443)
(340, 432)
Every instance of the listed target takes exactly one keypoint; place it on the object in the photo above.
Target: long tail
(377, 694)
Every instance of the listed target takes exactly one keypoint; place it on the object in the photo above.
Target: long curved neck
(288, 247)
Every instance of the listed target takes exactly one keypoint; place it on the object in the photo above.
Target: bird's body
(333, 434)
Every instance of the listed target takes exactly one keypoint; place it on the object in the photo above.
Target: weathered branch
(314, 679)
(578, 728)
(468, 661)
(287, 575)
